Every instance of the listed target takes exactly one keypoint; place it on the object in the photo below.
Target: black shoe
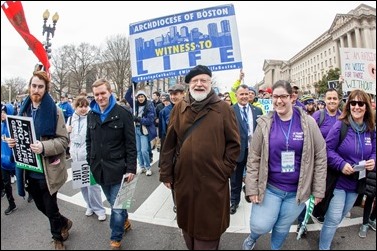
(29, 198)
(10, 209)
(233, 209)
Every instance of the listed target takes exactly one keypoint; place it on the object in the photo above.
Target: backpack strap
(343, 132)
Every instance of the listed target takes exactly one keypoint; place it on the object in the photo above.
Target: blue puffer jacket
(7, 159)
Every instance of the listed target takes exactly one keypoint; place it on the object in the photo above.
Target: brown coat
(204, 165)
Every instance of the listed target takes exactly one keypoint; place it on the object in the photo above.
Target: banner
(15, 14)
(170, 46)
(358, 66)
(126, 193)
(21, 129)
(81, 174)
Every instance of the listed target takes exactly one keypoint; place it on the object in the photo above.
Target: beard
(198, 96)
(35, 98)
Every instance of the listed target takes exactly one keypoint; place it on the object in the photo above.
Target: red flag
(15, 13)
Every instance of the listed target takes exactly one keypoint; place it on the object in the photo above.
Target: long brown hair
(361, 95)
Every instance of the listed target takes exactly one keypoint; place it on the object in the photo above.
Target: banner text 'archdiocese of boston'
(170, 46)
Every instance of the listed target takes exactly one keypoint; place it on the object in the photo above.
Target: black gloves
(137, 119)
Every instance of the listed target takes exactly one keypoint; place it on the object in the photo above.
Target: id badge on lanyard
(287, 161)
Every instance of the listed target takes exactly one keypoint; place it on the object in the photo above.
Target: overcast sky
(267, 30)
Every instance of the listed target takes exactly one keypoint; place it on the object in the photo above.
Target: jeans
(118, 216)
(340, 205)
(277, 212)
(142, 146)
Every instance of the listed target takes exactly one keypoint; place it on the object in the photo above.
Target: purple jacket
(349, 151)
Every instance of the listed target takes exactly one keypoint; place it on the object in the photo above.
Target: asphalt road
(28, 229)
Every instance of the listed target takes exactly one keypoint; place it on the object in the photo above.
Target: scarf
(358, 129)
(197, 106)
(44, 122)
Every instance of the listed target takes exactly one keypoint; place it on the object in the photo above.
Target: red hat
(269, 90)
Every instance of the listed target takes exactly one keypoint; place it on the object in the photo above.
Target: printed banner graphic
(170, 46)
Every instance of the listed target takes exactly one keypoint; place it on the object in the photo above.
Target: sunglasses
(359, 103)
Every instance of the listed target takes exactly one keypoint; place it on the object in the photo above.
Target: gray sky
(267, 30)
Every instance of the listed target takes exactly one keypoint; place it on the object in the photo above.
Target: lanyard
(286, 135)
(360, 146)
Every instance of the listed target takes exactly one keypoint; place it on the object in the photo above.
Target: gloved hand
(137, 119)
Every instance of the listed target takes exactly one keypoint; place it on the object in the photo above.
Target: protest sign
(81, 174)
(170, 46)
(22, 130)
(126, 193)
(358, 66)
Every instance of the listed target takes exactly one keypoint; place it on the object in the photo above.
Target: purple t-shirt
(354, 148)
(327, 123)
(285, 181)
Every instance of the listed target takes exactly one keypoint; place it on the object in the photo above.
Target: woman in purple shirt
(352, 158)
(286, 164)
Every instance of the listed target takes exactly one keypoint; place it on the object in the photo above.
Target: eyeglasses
(359, 103)
(282, 97)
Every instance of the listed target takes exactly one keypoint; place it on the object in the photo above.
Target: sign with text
(267, 104)
(170, 46)
(81, 174)
(126, 193)
(22, 130)
(358, 66)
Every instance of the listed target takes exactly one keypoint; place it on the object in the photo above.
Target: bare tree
(12, 87)
(117, 62)
(81, 62)
(60, 75)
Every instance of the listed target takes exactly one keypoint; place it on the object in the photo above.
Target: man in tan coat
(204, 161)
(51, 145)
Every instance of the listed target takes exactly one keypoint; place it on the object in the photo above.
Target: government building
(356, 29)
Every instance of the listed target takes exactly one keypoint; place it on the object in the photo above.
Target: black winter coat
(111, 145)
(370, 190)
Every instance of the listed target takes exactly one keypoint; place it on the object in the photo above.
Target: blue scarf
(103, 115)
(45, 119)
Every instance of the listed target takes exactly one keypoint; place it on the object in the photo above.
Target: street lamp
(49, 30)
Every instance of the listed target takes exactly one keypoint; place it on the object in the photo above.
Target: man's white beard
(198, 96)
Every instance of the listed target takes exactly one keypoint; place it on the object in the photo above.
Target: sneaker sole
(14, 209)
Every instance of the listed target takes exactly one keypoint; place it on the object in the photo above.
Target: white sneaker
(143, 170)
(102, 217)
(12, 179)
(149, 172)
(89, 212)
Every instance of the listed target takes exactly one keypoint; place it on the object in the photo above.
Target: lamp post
(49, 30)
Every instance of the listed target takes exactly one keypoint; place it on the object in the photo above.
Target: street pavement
(154, 225)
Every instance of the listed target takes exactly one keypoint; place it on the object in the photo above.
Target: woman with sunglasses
(352, 158)
(286, 165)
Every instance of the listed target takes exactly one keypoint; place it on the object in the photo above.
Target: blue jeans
(118, 216)
(340, 205)
(142, 146)
(277, 212)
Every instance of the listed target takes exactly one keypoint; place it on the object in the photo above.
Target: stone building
(355, 29)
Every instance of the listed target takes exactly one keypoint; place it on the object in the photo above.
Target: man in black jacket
(111, 151)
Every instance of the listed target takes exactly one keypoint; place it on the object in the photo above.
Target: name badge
(287, 162)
